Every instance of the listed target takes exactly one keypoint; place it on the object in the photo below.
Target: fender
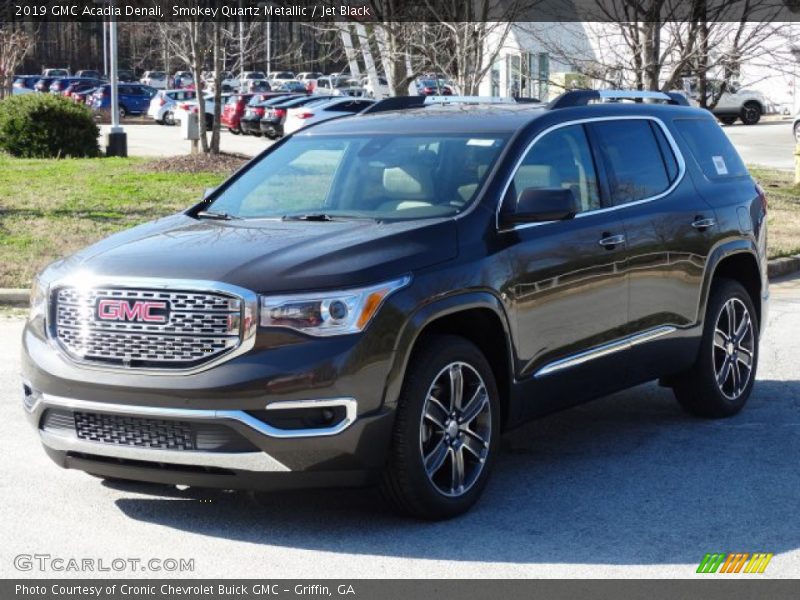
(427, 313)
(718, 253)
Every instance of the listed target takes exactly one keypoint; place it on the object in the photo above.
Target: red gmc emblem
(109, 309)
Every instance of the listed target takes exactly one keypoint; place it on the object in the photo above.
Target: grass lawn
(50, 208)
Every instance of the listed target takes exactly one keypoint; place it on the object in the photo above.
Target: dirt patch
(196, 163)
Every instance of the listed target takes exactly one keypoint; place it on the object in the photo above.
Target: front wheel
(797, 132)
(722, 378)
(751, 113)
(728, 120)
(169, 118)
(446, 431)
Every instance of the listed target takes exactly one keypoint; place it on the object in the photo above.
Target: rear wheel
(751, 113)
(797, 132)
(446, 431)
(722, 378)
(234, 131)
(169, 118)
(123, 112)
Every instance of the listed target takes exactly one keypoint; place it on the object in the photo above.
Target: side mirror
(537, 205)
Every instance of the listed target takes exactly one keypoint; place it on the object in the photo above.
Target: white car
(281, 76)
(323, 110)
(55, 73)
(796, 128)
(165, 102)
(182, 109)
(155, 79)
(245, 77)
(380, 92)
(182, 78)
(734, 104)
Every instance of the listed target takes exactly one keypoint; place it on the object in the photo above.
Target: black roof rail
(410, 102)
(584, 97)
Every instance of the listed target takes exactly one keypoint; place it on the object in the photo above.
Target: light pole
(116, 140)
(105, 50)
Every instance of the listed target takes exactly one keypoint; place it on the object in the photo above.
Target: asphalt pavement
(769, 143)
(626, 486)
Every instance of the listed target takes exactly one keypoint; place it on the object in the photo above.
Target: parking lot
(627, 486)
(768, 144)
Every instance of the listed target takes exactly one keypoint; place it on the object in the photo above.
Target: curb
(775, 268)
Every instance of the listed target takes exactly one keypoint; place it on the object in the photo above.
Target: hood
(271, 256)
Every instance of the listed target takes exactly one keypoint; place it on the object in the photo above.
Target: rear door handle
(609, 242)
(701, 224)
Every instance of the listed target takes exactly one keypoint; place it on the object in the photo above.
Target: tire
(169, 118)
(797, 132)
(722, 357)
(122, 112)
(751, 113)
(728, 120)
(234, 131)
(425, 431)
(209, 123)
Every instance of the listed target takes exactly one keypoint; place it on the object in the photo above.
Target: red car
(234, 107)
(433, 87)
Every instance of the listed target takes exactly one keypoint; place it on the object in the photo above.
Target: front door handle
(609, 242)
(701, 224)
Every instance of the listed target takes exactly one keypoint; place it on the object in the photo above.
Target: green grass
(783, 215)
(50, 208)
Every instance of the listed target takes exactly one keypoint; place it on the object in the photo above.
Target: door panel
(569, 292)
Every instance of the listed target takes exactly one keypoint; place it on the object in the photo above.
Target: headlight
(324, 314)
(38, 299)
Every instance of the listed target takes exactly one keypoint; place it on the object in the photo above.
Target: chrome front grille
(147, 328)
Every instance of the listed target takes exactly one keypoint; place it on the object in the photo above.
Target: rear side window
(711, 148)
(634, 158)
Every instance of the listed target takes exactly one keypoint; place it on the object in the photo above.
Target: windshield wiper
(210, 214)
(323, 217)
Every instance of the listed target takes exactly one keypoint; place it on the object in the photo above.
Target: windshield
(380, 177)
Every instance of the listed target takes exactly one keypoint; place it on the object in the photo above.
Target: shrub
(46, 126)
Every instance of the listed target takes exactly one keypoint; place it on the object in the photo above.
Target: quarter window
(637, 163)
(562, 160)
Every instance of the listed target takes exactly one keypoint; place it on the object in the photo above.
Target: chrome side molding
(604, 350)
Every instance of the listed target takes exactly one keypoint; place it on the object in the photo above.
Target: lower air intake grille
(134, 431)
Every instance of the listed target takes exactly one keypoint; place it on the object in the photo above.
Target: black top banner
(367, 11)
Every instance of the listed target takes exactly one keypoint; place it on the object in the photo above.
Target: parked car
(83, 96)
(127, 76)
(326, 85)
(293, 86)
(89, 74)
(42, 85)
(352, 88)
(734, 104)
(60, 86)
(53, 73)
(250, 122)
(134, 98)
(245, 77)
(308, 76)
(164, 103)
(24, 84)
(279, 77)
(433, 87)
(182, 79)
(255, 86)
(233, 110)
(380, 302)
(193, 106)
(380, 92)
(298, 118)
(796, 127)
(76, 87)
(155, 79)
(271, 123)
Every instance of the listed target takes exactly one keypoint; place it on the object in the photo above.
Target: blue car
(24, 84)
(134, 98)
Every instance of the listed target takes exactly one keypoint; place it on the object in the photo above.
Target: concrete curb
(775, 268)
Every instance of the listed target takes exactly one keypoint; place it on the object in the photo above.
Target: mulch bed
(196, 163)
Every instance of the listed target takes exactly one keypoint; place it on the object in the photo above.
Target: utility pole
(116, 140)
(105, 50)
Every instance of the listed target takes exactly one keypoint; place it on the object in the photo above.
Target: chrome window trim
(667, 134)
(249, 316)
(604, 350)
(196, 414)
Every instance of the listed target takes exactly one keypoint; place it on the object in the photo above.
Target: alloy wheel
(455, 429)
(733, 349)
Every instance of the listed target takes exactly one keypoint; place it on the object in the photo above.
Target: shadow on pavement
(628, 479)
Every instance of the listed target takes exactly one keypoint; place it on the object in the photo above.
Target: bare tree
(13, 47)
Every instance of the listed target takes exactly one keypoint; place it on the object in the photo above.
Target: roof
(456, 118)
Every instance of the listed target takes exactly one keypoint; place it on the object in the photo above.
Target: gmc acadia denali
(377, 298)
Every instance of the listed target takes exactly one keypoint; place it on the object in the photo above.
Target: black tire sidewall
(723, 292)
(441, 351)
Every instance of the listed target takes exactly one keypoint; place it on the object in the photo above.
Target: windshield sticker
(479, 142)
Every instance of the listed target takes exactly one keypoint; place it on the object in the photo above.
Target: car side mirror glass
(538, 205)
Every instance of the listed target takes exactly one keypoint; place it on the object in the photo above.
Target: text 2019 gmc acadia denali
(375, 299)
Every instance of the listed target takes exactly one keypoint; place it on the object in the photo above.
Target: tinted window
(667, 155)
(560, 160)
(633, 158)
(346, 107)
(711, 148)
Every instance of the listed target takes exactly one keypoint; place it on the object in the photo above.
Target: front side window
(559, 160)
(381, 177)
(634, 158)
